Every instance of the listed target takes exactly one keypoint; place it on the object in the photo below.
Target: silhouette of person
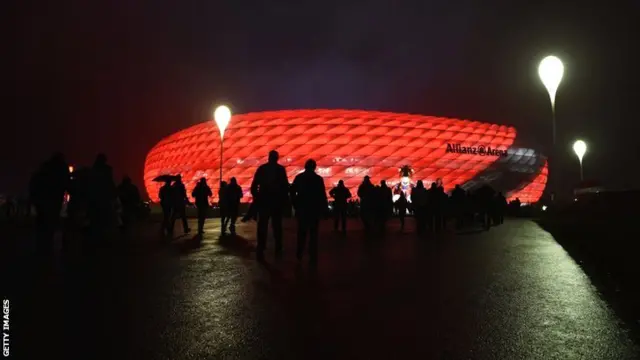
(401, 205)
(385, 204)
(232, 197)
(366, 193)
(166, 202)
(180, 201)
(47, 189)
(458, 199)
(442, 202)
(222, 205)
(270, 191)
(484, 196)
(130, 201)
(419, 200)
(201, 193)
(310, 203)
(501, 208)
(516, 206)
(79, 187)
(103, 194)
(341, 195)
(433, 207)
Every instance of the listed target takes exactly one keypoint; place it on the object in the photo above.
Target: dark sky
(116, 76)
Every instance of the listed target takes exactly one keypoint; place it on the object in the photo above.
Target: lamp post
(550, 71)
(580, 148)
(222, 117)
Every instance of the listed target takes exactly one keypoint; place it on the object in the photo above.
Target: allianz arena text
(349, 144)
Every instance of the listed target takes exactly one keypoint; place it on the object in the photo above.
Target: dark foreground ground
(510, 293)
(607, 249)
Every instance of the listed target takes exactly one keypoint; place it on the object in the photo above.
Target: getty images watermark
(5, 327)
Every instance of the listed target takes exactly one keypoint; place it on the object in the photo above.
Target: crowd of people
(96, 203)
(273, 196)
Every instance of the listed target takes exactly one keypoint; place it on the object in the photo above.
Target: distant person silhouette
(401, 205)
(180, 201)
(201, 193)
(419, 200)
(79, 188)
(433, 207)
(166, 202)
(341, 195)
(47, 188)
(458, 199)
(103, 195)
(270, 191)
(515, 206)
(309, 199)
(441, 207)
(222, 206)
(130, 200)
(484, 199)
(386, 204)
(501, 208)
(232, 197)
(366, 193)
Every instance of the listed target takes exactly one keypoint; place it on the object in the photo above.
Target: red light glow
(532, 191)
(346, 144)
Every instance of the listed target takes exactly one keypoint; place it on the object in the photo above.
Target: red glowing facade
(347, 145)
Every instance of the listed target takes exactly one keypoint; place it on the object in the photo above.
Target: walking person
(222, 206)
(485, 195)
(401, 205)
(458, 198)
(201, 193)
(130, 200)
(166, 203)
(102, 198)
(232, 197)
(366, 193)
(501, 208)
(385, 206)
(340, 195)
(270, 190)
(46, 190)
(433, 208)
(441, 206)
(180, 201)
(419, 202)
(310, 203)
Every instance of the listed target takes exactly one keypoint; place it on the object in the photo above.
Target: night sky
(117, 76)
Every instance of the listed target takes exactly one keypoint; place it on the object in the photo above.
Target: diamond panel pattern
(532, 192)
(346, 144)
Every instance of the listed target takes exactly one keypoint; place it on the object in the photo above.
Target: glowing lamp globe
(580, 148)
(551, 71)
(222, 117)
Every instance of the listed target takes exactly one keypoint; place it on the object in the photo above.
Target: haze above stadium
(118, 77)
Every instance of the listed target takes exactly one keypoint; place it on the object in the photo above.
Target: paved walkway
(510, 293)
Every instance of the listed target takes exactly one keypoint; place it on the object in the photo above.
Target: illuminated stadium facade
(349, 144)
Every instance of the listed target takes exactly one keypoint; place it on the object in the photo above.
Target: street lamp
(550, 72)
(580, 148)
(222, 117)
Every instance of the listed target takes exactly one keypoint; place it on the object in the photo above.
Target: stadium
(349, 144)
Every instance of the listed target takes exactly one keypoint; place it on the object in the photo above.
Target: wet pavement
(509, 293)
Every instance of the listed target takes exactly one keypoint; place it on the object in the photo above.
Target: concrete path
(509, 293)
